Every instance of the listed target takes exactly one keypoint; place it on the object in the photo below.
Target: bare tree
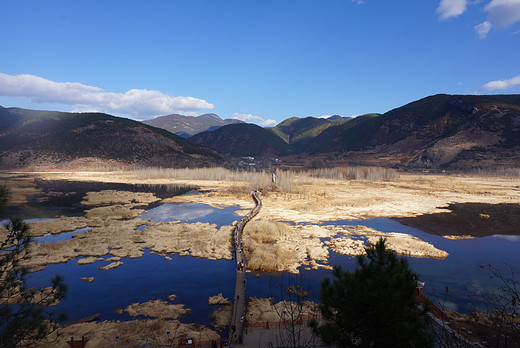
(502, 308)
(294, 311)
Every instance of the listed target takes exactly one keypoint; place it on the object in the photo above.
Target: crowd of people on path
(236, 332)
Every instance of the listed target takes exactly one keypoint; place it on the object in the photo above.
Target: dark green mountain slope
(300, 131)
(36, 137)
(243, 140)
(440, 130)
(187, 126)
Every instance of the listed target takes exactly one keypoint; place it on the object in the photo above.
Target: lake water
(194, 280)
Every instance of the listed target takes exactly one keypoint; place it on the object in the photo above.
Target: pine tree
(23, 315)
(374, 306)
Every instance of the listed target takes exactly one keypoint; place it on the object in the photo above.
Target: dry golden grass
(156, 309)
(111, 197)
(121, 238)
(265, 231)
(309, 200)
(263, 309)
(131, 334)
(113, 212)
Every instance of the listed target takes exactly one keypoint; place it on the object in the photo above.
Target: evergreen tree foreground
(374, 306)
(24, 317)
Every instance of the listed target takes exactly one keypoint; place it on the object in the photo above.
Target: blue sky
(259, 61)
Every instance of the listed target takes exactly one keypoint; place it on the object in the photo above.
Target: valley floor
(295, 220)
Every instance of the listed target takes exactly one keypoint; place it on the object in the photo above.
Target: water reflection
(464, 271)
(194, 280)
(53, 238)
(192, 212)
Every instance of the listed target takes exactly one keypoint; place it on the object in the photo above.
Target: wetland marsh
(178, 241)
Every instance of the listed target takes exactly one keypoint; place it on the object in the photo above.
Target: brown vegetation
(263, 309)
(130, 334)
(156, 309)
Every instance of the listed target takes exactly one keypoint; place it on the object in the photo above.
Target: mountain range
(48, 138)
(439, 131)
(186, 126)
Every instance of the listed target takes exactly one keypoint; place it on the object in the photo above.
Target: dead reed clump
(111, 265)
(260, 237)
(156, 309)
(130, 334)
(218, 300)
(268, 248)
(111, 197)
(263, 258)
(263, 309)
(56, 226)
(113, 212)
(265, 231)
(221, 316)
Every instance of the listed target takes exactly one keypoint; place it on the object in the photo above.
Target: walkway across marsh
(236, 333)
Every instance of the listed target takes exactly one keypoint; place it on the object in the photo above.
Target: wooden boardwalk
(236, 332)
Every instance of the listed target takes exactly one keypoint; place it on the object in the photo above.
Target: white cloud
(451, 8)
(483, 29)
(501, 84)
(358, 2)
(254, 119)
(139, 103)
(503, 13)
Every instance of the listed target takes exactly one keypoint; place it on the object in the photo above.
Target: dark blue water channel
(194, 280)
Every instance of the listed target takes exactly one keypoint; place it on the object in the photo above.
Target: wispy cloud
(500, 84)
(358, 2)
(451, 8)
(138, 103)
(254, 119)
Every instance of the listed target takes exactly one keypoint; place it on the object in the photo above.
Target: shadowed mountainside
(437, 131)
(440, 131)
(243, 140)
(30, 137)
(186, 126)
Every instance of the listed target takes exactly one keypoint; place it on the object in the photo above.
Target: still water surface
(194, 280)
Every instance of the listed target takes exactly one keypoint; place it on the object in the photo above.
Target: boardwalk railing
(302, 320)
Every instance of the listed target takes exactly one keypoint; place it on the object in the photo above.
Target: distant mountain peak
(187, 126)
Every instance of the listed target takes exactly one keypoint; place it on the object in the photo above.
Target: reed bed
(263, 251)
(265, 231)
(286, 180)
(498, 171)
(254, 180)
